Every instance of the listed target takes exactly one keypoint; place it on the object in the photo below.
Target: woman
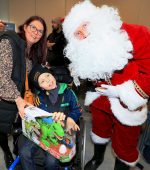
(18, 53)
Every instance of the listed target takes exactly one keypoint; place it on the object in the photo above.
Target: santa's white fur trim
(98, 139)
(90, 97)
(132, 164)
(129, 96)
(127, 117)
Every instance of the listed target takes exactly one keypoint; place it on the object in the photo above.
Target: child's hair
(36, 71)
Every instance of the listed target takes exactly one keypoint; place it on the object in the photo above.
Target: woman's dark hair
(38, 50)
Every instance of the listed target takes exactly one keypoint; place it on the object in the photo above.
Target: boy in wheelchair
(52, 97)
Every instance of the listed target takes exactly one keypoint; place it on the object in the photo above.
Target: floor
(109, 160)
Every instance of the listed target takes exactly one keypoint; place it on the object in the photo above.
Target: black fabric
(57, 106)
(17, 130)
(4, 142)
(119, 165)
(8, 111)
(55, 56)
(53, 107)
(19, 66)
(98, 157)
(53, 94)
(140, 166)
(39, 157)
(62, 74)
(8, 158)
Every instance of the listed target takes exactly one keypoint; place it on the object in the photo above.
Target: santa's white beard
(104, 51)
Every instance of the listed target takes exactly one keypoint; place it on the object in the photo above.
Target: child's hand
(59, 117)
(71, 125)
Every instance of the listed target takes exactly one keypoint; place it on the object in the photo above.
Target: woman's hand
(59, 117)
(71, 125)
(21, 103)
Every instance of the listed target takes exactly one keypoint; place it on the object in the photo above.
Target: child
(52, 97)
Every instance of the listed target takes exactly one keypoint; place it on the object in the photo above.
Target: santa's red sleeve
(135, 93)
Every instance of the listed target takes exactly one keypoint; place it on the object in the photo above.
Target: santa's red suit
(120, 118)
(118, 56)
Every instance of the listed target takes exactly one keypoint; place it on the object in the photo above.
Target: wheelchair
(77, 163)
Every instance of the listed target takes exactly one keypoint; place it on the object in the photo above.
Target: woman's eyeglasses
(34, 29)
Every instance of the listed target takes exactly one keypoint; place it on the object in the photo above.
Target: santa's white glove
(107, 90)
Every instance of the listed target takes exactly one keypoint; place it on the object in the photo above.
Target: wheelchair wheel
(82, 143)
(78, 162)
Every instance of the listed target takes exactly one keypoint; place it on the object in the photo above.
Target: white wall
(4, 10)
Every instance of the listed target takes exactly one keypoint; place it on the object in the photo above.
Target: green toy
(30, 127)
(50, 133)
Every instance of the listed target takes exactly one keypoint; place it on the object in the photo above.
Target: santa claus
(116, 56)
